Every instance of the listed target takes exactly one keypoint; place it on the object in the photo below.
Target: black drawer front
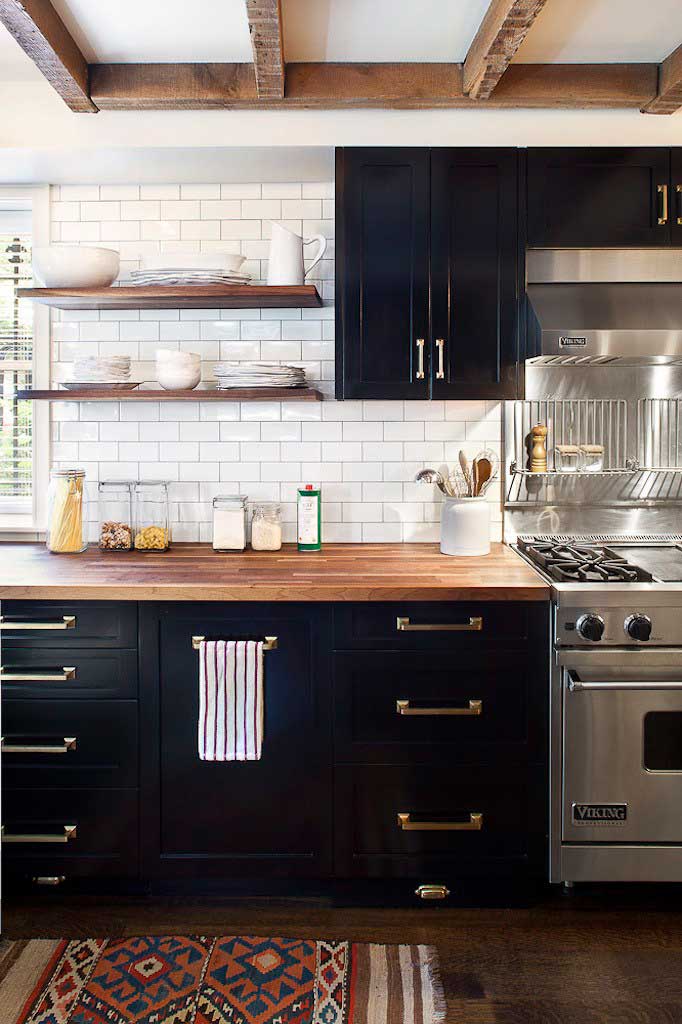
(105, 841)
(501, 625)
(95, 744)
(398, 708)
(371, 842)
(97, 623)
(102, 674)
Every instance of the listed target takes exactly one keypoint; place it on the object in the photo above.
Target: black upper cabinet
(382, 284)
(427, 273)
(600, 197)
(474, 245)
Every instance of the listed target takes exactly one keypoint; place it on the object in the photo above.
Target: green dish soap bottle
(309, 531)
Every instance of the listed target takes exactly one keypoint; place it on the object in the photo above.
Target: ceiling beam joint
(265, 28)
(504, 27)
(668, 98)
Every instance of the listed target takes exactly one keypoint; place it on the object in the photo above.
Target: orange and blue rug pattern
(227, 980)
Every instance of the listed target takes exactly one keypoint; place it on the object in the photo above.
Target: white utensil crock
(285, 263)
(465, 526)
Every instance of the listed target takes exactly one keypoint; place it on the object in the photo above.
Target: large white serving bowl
(75, 266)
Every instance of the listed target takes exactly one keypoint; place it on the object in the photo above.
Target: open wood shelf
(212, 296)
(196, 395)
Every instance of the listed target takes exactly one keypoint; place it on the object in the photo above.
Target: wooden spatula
(464, 464)
(483, 470)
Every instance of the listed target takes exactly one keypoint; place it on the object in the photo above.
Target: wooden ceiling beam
(669, 96)
(345, 86)
(500, 34)
(42, 35)
(265, 27)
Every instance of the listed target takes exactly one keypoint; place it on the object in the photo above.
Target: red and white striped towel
(230, 700)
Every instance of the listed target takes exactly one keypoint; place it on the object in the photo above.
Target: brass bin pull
(270, 643)
(662, 191)
(67, 744)
(474, 625)
(67, 622)
(474, 707)
(432, 892)
(678, 193)
(51, 880)
(68, 832)
(37, 676)
(420, 359)
(440, 345)
(474, 824)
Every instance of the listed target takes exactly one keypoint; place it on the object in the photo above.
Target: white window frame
(34, 522)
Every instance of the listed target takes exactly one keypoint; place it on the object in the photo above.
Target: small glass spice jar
(229, 522)
(115, 514)
(567, 458)
(66, 512)
(592, 458)
(151, 516)
(266, 526)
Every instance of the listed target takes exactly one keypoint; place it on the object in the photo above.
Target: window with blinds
(16, 366)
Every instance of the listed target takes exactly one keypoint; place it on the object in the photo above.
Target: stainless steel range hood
(605, 306)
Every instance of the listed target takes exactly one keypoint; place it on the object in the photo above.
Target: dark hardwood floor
(597, 956)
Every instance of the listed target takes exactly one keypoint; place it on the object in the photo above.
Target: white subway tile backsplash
(364, 454)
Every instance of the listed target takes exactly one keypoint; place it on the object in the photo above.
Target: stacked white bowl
(177, 371)
(102, 370)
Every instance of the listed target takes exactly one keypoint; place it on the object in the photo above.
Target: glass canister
(592, 458)
(151, 516)
(66, 512)
(266, 526)
(567, 458)
(115, 515)
(229, 522)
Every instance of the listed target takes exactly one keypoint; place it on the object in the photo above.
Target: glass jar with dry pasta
(152, 516)
(66, 512)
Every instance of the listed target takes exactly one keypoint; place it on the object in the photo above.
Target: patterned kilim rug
(192, 979)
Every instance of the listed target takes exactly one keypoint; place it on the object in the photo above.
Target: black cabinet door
(474, 273)
(382, 301)
(599, 197)
(676, 195)
(263, 818)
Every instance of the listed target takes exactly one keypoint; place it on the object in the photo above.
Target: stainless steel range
(610, 544)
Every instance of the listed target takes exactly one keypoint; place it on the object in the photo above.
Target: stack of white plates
(101, 371)
(186, 276)
(259, 375)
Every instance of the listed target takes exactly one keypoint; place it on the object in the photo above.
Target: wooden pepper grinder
(538, 448)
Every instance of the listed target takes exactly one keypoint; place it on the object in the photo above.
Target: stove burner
(582, 563)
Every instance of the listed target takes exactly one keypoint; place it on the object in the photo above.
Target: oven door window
(663, 741)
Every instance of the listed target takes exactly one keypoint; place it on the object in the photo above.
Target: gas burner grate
(578, 562)
(603, 538)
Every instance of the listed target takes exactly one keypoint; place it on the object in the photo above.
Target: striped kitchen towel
(230, 700)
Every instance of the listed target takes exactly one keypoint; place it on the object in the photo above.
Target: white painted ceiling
(15, 66)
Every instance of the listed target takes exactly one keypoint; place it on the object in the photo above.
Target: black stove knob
(638, 627)
(590, 627)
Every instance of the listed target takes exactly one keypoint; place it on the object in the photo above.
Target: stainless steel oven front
(616, 756)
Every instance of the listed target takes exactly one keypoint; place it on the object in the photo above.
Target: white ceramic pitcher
(285, 265)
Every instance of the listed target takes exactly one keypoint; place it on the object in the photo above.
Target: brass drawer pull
(678, 193)
(37, 676)
(474, 824)
(475, 707)
(432, 892)
(52, 880)
(440, 372)
(420, 359)
(68, 832)
(270, 643)
(67, 744)
(662, 191)
(67, 622)
(474, 625)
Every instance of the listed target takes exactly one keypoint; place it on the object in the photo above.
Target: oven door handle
(576, 684)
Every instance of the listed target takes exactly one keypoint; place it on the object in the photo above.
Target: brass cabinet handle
(67, 622)
(474, 707)
(270, 643)
(52, 880)
(67, 744)
(432, 892)
(68, 832)
(474, 824)
(678, 193)
(420, 359)
(662, 191)
(37, 676)
(474, 625)
(440, 345)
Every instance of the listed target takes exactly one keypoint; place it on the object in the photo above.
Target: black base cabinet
(418, 757)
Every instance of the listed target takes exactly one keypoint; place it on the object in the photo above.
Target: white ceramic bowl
(75, 266)
(177, 377)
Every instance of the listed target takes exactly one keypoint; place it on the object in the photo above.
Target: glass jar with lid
(266, 526)
(115, 515)
(66, 512)
(151, 516)
(229, 522)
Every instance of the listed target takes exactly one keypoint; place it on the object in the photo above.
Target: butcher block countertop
(340, 572)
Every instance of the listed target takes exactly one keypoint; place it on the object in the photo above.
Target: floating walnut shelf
(212, 296)
(197, 395)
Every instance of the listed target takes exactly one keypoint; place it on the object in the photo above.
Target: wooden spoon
(483, 470)
(464, 463)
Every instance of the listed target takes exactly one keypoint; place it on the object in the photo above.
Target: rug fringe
(438, 1001)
